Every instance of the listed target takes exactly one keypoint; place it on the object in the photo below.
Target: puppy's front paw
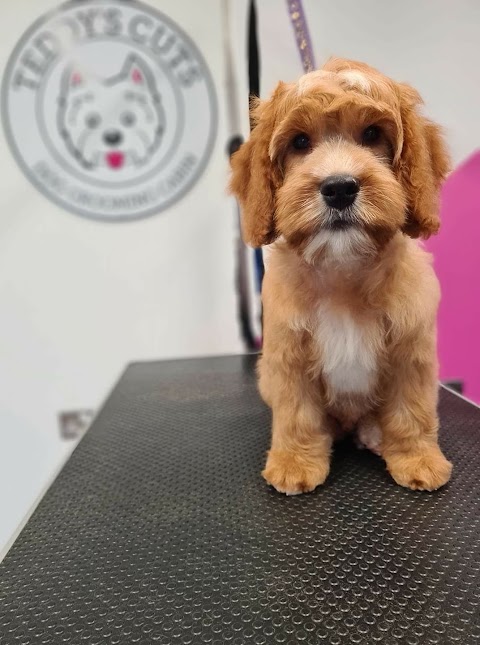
(292, 474)
(426, 469)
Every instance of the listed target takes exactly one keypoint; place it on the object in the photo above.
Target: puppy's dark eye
(93, 120)
(371, 135)
(301, 142)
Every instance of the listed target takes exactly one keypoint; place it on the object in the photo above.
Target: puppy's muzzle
(339, 191)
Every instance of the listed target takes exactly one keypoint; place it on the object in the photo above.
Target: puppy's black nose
(339, 191)
(113, 137)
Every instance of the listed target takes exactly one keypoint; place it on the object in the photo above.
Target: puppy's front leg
(299, 458)
(410, 426)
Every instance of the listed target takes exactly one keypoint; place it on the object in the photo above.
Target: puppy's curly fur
(350, 297)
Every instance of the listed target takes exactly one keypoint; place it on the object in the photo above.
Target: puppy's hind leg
(369, 435)
(264, 381)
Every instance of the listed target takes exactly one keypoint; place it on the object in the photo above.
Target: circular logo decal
(109, 109)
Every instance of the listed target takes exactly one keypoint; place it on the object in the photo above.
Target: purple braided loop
(302, 35)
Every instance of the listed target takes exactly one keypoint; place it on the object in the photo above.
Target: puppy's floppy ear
(421, 165)
(255, 178)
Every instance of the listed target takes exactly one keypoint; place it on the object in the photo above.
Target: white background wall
(80, 299)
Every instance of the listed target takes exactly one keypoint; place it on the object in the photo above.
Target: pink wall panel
(456, 251)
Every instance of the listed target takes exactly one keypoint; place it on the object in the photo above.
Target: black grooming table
(160, 530)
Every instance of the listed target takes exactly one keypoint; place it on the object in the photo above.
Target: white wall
(80, 299)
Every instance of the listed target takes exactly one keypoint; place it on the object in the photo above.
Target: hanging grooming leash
(243, 253)
(302, 35)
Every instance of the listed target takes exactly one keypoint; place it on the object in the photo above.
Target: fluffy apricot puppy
(342, 172)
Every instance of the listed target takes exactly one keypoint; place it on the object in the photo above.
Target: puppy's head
(343, 158)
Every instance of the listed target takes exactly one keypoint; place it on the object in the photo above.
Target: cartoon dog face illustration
(114, 122)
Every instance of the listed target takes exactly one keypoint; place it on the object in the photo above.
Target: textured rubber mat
(161, 530)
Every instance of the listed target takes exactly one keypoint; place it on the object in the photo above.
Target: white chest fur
(348, 350)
